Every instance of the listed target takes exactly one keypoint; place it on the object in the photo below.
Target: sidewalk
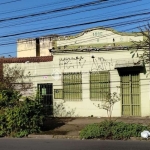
(70, 127)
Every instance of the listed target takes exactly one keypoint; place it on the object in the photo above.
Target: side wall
(26, 48)
(32, 48)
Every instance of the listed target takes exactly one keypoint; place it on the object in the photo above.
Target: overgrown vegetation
(112, 130)
(17, 118)
(144, 45)
(14, 75)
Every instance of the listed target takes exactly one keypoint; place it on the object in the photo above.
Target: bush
(112, 130)
(24, 118)
(9, 98)
(17, 118)
(2, 125)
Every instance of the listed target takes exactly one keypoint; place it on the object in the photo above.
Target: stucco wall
(45, 45)
(98, 36)
(51, 72)
(26, 48)
(102, 61)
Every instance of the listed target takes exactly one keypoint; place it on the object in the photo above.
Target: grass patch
(112, 130)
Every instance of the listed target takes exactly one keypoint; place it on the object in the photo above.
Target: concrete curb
(53, 136)
(76, 137)
(65, 137)
(40, 136)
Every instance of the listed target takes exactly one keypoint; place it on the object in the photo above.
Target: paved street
(47, 144)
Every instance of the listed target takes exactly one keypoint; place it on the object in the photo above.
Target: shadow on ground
(73, 126)
(51, 125)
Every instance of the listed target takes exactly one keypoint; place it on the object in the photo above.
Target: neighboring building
(31, 67)
(35, 47)
(86, 67)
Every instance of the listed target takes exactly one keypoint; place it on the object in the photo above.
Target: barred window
(99, 85)
(58, 93)
(72, 86)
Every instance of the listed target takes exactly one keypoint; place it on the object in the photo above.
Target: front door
(130, 92)
(46, 97)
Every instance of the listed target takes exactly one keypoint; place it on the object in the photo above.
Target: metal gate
(45, 91)
(130, 92)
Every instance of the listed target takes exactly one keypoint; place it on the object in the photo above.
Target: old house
(85, 68)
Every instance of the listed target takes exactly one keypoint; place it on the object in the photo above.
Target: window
(58, 93)
(99, 85)
(72, 86)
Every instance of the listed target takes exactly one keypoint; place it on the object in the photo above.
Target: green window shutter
(72, 86)
(99, 85)
(130, 91)
(58, 93)
(125, 92)
(135, 88)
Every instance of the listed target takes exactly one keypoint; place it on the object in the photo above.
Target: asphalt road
(45, 144)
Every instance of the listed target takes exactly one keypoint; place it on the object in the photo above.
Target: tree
(108, 103)
(18, 118)
(143, 45)
(12, 76)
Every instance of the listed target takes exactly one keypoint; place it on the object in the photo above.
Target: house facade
(85, 68)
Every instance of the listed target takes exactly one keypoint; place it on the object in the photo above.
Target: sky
(21, 19)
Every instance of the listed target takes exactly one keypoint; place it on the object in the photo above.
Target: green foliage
(143, 45)
(19, 118)
(2, 125)
(14, 74)
(109, 102)
(9, 98)
(112, 130)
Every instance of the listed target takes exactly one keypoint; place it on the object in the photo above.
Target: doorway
(130, 93)
(45, 92)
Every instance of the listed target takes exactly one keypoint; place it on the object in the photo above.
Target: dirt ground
(72, 126)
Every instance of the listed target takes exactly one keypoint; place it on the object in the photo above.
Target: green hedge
(19, 118)
(112, 130)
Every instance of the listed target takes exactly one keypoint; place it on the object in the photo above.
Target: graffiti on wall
(96, 63)
(72, 62)
(101, 64)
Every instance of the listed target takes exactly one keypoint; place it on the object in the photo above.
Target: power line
(74, 25)
(9, 2)
(38, 6)
(74, 12)
(36, 32)
(71, 13)
(63, 34)
(53, 11)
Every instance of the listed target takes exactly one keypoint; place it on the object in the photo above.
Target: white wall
(98, 36)
(51, 72)
(103, 61)
(26, 48)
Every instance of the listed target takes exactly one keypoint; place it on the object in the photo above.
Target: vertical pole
(149, 47)
(130, 94)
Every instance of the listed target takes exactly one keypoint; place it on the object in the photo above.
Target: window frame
(58, 94)
(99, 85)
(72, 86)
